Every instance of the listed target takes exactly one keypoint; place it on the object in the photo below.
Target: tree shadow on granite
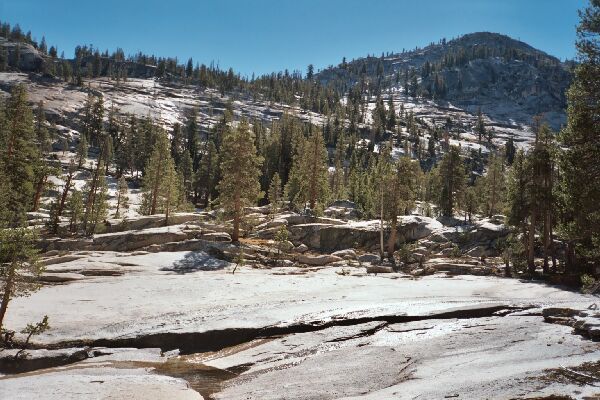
(196, 261)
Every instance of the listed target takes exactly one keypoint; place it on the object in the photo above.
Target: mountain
(508, 79)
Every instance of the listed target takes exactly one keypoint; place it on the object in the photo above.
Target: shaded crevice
(199, 342)
(11, 365)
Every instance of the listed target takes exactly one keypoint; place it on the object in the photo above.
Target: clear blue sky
(271, 35)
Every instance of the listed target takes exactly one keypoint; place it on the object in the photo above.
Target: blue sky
(271, 35)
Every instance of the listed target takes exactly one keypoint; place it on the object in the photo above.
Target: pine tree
(19, 261)
(452, 181)
(187, 174)
(580, 180)
(75, 210)
(206, 178)
(240, 165)
(471, 202)
(519, 196)
(192, 133)
(494, 186)
(96, 205)
(401, 188)
(18, 155)
(122, 198)
(41, 131)
(275, 193)
(480, 128)
(543, 205)
(41, 172)
(510, 151)
(82, 150)
(338, 186)
(160, 181)
(60, 204)
(309, 177)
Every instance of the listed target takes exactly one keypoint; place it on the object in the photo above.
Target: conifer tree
(391, 119)
(543, 205)
(187, 174)
(519, 196)
(82, 150)
(274, 193)
(580, 180)
(510, 151)
(240, 166)
(205, 180)
(75, 210)
(62, 201)
(338, 186)
(41, 131)
(480, 128)
(309, 177)
(381, 171)
(160, 180)
(452, 181)
(400, 193)
(494, 186)
(18, 155)
(96, 205)
(470, 202)
(18, 265)
(122, 198)
(41, 172)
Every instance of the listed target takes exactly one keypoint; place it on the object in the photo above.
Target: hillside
(508, 79)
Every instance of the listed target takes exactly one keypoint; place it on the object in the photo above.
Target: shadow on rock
(194, 262)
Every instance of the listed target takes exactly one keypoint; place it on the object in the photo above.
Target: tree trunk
(91, 200)
(493, 196)
(118, 204)
(39, 188)
(392, 239)
(570, 257)
(313, 184)
(65, 193)
(235, 236)
(168, 205)
(381, 246)
(155, 188)
(552, 247)
(546, 241)
(531, 245)
(8, 286)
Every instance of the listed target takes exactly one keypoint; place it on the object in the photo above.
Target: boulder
(33, 360)
(216, 237)
(60, 259)
(302, 248)
(348, 254)
(30, 60)
(379, 269)
(481, 251)
(60, 245)
(459, 267)
(60, 277)
(285, 245)
(342, 209)
(365, 234)
(317, 260)
(267, 233)
(369, 258)
(149, 221)
(134, 240)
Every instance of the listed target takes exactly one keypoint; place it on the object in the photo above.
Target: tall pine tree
(239, 186)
